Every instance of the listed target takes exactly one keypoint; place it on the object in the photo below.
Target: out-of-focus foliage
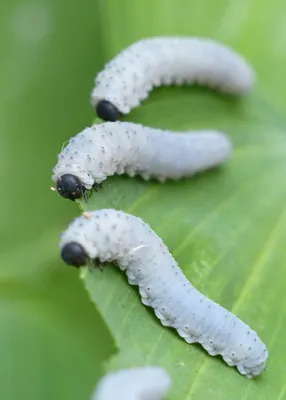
(52, 341)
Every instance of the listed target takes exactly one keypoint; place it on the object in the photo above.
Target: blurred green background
(52, 340)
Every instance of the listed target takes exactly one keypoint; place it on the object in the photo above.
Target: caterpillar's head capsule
(70, 187)
(107, 111)
(74, 254)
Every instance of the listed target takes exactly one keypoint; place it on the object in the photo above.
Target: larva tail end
(70, 187)
(253, 371)
(107, 111)
(74, 254)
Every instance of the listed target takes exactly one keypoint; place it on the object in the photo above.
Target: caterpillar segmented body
(123, 147)
(127, 79)
(110, 235)
(145, 383)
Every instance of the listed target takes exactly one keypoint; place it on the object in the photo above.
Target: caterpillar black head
(74, 254)
(70, 187)
(107, 111)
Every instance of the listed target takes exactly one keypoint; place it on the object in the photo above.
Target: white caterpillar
(123, 147)
(110, 235)
(127, 79)
(145, 383)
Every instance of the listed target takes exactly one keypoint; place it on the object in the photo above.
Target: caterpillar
(127, 79)
(110, 235)
(142, 383)
(124, 147)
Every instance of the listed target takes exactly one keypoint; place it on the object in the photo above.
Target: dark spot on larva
(74, 254)
(107, 111)
(70, 187)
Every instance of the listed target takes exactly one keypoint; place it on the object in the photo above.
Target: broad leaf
(227, 227)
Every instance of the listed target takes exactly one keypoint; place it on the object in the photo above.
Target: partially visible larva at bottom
(142, 383)
(110, 235)
(128, 78)
(124, 147)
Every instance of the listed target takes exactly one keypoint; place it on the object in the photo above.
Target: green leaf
(227, 227)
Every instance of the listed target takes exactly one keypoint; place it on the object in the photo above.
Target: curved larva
(145, 383)
(123, 147)
(127, 79)
(110, 235)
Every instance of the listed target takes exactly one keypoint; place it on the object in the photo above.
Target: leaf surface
(227, 227)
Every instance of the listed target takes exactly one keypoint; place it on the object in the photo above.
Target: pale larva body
(123, 147)
(127, 79)
(110, 235)
(145, 383)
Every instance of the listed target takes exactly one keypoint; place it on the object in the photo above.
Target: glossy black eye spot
(74, 254)
(70, 187)
(107, 111)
